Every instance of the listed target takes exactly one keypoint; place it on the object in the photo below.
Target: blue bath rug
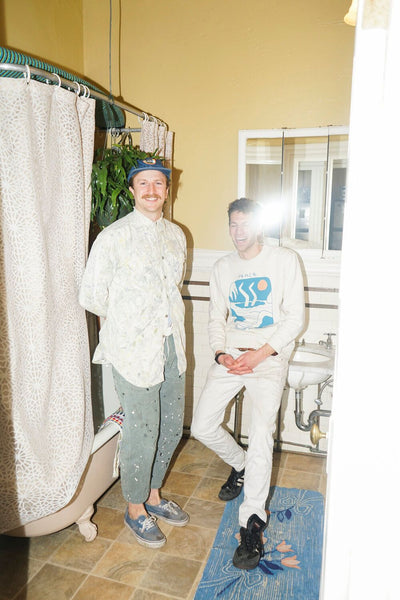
(291, 565)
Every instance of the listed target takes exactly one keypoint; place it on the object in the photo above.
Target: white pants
(264, 388)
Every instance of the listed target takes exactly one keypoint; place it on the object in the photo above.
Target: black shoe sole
(241, 564)
(226, 496)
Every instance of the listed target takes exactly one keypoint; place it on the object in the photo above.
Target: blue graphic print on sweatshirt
(251, 302)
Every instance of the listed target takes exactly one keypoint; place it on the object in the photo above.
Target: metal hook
(27, 74)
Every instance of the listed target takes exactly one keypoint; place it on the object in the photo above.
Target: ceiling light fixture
(351, 17)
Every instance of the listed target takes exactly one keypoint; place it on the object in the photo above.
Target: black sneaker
(251, 548)
(233, 486)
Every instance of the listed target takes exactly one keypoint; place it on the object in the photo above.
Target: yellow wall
(49, 30)
(208, 68)
(212, 67)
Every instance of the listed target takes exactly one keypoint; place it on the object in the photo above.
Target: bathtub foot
(86, 527)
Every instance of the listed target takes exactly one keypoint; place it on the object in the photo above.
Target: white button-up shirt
(133, 278)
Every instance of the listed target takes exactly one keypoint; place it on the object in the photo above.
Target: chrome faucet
(328, 343)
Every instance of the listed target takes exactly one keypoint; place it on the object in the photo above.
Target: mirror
(299, 176)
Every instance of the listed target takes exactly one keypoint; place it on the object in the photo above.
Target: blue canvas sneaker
(169, 512)
(145, 530)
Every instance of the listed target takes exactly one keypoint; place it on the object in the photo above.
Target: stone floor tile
(180, 483)
(204, 513)
(189, 542)
(305, 462)
(140, 594)
(15, 571)
(62, 566)
(42, 547)
(279, 459)
(96, 588)
(125, 563)
(52, 582)
(299, 479)
(76, 553)
(171, 574)
(218, 469)
(191, 463)
(193, 446)
(208, 489)
(113, 498)
(109, 521)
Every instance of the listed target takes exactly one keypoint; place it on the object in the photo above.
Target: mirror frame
(246, 134)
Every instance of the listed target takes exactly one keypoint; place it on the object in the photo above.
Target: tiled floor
(62, 566)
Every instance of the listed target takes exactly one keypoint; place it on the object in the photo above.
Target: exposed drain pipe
(313, 416)
(312, 424)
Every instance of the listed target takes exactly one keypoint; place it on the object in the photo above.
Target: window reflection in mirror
(300, 178)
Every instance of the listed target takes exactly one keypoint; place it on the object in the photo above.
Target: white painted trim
(204, 259)
(301, 132)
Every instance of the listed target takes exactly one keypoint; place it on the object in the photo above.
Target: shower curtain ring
(78, 90)
(27, 75)
(86, 91)
(59, 79)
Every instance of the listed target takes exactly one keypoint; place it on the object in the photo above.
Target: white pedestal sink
(310, 364)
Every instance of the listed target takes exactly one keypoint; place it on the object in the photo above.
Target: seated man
(256, 312)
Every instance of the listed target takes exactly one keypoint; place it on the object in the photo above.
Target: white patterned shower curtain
(154, 136)
(46, 431)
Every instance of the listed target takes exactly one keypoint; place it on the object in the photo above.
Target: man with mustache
(133, 279)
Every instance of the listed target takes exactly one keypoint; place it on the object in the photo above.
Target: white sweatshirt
(256, 301)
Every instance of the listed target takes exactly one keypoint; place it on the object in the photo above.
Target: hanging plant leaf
(111, 198)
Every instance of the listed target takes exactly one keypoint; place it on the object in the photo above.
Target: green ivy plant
(111, 198)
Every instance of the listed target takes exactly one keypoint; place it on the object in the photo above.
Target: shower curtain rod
(54, 78)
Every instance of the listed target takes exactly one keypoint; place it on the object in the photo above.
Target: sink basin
(310, 364)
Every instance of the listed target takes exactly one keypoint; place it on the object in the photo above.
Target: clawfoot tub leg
(86, 527)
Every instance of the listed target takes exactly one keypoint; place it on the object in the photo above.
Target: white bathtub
(96, 479)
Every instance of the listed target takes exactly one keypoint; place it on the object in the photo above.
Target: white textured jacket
(133, 278)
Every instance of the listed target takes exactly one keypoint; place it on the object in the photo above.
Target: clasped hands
(246, 362)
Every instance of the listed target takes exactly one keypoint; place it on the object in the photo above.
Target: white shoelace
(148, 523)
(170, 505)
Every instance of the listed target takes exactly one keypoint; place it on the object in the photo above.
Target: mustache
(148, 196)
